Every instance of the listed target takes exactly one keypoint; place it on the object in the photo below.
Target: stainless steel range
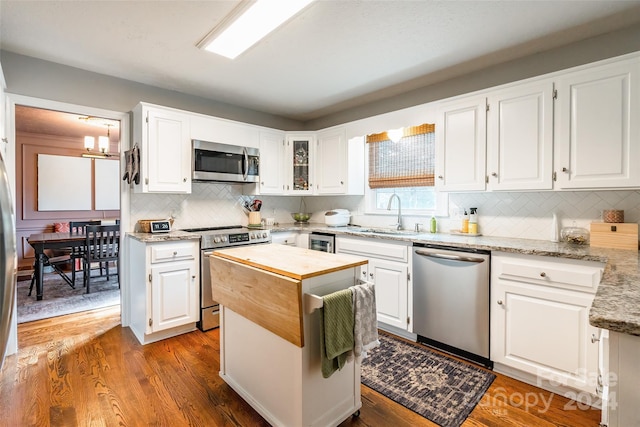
(212, 238)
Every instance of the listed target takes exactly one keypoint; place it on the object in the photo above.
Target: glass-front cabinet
(300, 154)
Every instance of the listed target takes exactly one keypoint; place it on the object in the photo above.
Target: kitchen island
(270, 332)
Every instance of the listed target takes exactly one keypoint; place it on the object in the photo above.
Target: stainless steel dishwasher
(451, 301)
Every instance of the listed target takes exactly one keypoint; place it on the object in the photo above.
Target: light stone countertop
(164, 237)
(616, 305)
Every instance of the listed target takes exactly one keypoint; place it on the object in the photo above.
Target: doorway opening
(59, 179)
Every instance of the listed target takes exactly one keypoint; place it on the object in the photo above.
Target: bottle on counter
(555, 229)
(433, 225)
(473, 221)
(465, 222)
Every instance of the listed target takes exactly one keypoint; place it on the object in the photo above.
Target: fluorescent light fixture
(256, 19)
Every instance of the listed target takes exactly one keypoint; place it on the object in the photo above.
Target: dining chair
(55, 262)
(102, 246)
(77, 254)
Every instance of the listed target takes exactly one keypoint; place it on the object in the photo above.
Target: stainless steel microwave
(213, 161)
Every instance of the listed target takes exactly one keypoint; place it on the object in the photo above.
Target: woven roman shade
(409, 162)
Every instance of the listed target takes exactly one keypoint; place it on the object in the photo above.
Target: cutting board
(614, 235)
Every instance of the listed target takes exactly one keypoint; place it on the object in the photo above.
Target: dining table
(42, 241)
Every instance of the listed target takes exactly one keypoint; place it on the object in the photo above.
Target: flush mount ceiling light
(248, 23)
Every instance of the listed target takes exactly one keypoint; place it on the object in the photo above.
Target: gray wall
(42, 79)
(29, 76)
(583, 52)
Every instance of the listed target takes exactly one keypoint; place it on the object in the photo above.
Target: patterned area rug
(60, 299)
(439, 388)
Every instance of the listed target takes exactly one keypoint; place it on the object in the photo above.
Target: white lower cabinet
(540, 329)
(165, 286)
(390, 280)
(388, 268)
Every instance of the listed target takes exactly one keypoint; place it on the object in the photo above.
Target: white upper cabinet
(461, 145)
(163, 136)
(224, 131)
(272, 168)
(339, 165)
(520, 137)
(598, 127)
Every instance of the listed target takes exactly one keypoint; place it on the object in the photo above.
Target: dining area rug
(439, 388)
(60, 299)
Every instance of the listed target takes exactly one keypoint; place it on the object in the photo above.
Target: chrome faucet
(398, 225)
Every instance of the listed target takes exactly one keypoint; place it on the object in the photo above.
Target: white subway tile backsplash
(524, 215)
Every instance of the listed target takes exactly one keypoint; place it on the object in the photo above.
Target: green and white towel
(336, 331)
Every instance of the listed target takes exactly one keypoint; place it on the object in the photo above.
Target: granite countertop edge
(616, 305)
(163, 237)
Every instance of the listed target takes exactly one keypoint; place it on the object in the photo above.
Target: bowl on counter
(300, 216)
(575, 235)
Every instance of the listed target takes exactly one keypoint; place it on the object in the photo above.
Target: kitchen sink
(386, 231)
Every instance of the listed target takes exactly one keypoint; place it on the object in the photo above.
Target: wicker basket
(144, 225)
(613, 215)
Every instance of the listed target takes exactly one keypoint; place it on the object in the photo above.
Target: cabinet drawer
(557, 272)
(372, 248)
(173, 251)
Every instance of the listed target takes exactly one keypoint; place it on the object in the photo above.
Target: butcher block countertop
(263, 283)
(292, 262)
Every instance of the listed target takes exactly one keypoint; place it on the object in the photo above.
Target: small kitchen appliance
(337, 218)
(322, 242)
(212, 161)
(212, 238)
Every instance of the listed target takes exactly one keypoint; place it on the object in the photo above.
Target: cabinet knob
(499, 302)
(565, 170)
(495, 175)
(440, 177)
(184, 179)
(175, 253)
(364, 273)
(370, 274)
(543, 274)
(594, 339)
(193, 277)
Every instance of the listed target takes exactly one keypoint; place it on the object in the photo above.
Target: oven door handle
(245, 164)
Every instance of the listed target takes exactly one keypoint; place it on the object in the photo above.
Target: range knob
(224, 238)
(252, 236)
(264, 235)
(216, 240)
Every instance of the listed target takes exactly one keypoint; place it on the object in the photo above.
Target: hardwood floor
(86, 370)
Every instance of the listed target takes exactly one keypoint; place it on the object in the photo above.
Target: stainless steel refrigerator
(8, 260)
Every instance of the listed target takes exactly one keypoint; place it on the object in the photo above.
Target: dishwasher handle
(449, 257)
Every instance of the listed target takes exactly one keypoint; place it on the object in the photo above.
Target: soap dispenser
(433, 225)
(465, 223)
(473, 220)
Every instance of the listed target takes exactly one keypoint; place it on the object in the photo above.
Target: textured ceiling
(333, 56)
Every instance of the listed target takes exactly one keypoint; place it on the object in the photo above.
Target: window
(404, 167)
